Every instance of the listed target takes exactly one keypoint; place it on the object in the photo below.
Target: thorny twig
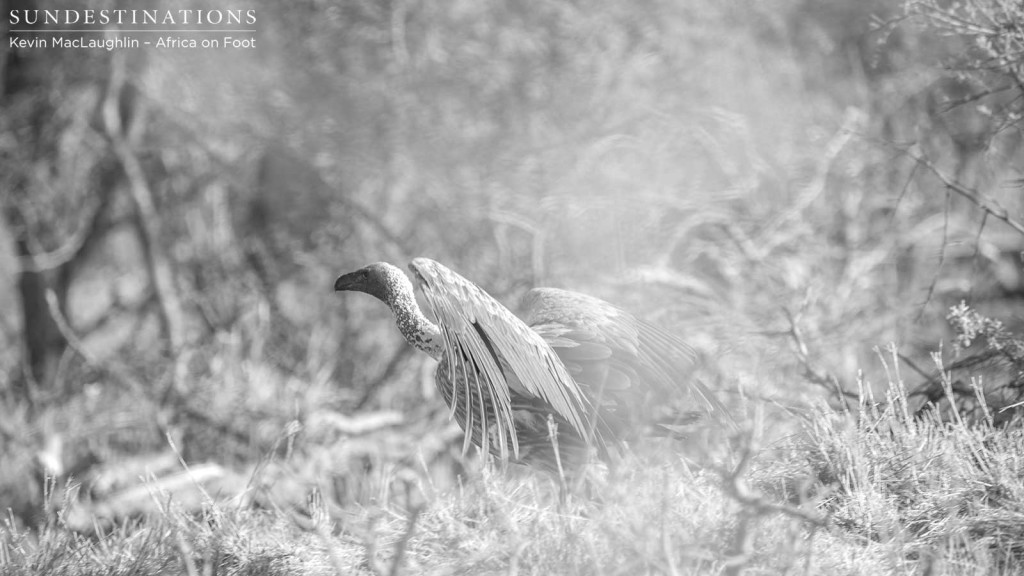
(942, 255)
(375, 565)
(913, 366)
(985, 203)
(812, 373)
(404, 542)
(903, 193)
(977, 252)
(755, 505)
(736, 487)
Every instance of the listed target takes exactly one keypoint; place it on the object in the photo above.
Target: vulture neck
(417, 329)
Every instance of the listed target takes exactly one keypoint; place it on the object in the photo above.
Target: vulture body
(574, 373)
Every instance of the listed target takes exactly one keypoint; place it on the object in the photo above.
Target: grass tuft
(881, 488)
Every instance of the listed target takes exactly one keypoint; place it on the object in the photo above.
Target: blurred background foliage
(776, 181)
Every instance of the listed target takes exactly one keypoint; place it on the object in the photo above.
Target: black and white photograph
(501, 288)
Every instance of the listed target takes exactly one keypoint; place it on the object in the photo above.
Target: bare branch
(396, 564)
(397, 360)
(116, 370)
(987, 204)
(536, 233)
(906, 360)
(772, 236)
(736, 487)
(942, 256)
(812, 373)
(977, 252)
(903, 193)
(975, 96)
(370, 544)
(160, 270)
(755, 505)
(42, 262)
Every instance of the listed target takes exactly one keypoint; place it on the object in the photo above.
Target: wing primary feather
(502, 421)
(457, 304)
(595, 417)
(580, 328)
(467, 411)
(670, 371)
(484, 440)
(453, 381)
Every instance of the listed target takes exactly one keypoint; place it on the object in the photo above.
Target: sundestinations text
(131, 16)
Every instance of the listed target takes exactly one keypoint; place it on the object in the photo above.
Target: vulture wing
(625, 365)
(499, 355)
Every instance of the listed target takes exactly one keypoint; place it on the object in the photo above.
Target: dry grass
(869, 491)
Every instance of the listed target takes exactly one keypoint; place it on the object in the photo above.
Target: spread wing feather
(630, 361)
(675, 361)
(498, 352)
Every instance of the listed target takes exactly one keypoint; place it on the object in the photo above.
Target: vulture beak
(346, 282)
